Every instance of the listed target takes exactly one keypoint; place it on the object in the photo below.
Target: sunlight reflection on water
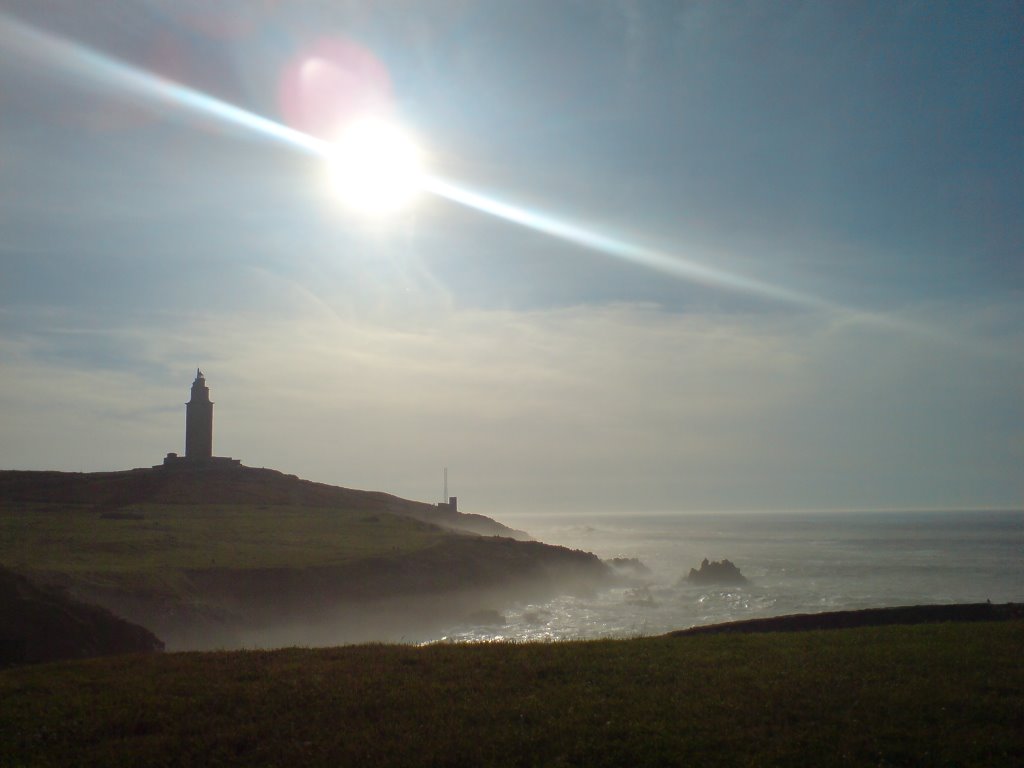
(796, 564)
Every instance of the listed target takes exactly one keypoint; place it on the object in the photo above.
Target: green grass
(151, 553)
(950, 694)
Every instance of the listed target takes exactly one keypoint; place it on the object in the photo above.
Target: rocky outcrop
(38, 624)
(723, 572)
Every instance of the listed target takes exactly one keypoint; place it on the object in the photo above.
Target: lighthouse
(199, 421)
(198, 435)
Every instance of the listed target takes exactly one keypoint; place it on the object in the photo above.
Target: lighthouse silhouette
(199, 421)
(198, 435)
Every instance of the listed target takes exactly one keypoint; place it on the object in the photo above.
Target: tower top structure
(200, 394)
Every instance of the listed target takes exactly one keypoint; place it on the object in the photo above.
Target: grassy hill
(200, 557)
(113, 491)
(146, 539)
(939, 694)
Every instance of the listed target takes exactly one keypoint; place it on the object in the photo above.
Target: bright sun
(376, 168)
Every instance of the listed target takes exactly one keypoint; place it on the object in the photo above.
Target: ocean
(795, 563)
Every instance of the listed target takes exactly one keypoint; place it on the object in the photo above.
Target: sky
(680, 255)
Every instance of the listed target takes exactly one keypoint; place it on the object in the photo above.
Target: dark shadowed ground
(869, 617)
(38, 625)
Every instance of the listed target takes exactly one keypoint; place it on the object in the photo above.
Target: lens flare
(378, 168)
(331, 83)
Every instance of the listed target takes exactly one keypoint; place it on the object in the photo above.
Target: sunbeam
(595, 241)
(74, 58)
(71, 57)
(46, 47)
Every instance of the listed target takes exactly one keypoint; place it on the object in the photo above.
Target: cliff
(44, 625)
(238, 556)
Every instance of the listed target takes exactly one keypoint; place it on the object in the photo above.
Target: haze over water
(796, 563)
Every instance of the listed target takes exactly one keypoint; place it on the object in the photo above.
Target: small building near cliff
(452, 505)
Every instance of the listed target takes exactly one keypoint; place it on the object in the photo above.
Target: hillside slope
(110, 491)
(253, 557)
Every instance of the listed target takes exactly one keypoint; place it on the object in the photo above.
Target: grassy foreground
(944, 694)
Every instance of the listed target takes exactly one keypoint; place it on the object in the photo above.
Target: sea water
(795, 563)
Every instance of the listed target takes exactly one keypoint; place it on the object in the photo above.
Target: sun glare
(376, 168)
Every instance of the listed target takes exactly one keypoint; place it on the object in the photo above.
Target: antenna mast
(444, 498)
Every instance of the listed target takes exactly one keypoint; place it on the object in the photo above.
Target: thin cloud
(592, 407)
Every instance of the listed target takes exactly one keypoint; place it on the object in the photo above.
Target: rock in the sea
(724, 572)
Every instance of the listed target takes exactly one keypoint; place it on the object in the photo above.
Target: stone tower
(199, 421)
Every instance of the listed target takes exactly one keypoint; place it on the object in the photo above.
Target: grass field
(148, 550)
(946, 694)
(154, 537)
